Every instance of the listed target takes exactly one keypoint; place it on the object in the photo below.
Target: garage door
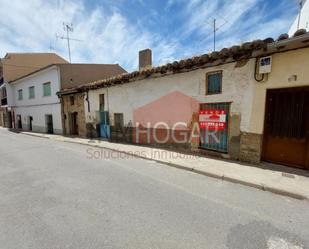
(286, 127)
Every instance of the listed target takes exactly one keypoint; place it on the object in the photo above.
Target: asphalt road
(53, 196)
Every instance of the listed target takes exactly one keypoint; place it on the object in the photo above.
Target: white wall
(38, 114)
(41, 105)
(237, 88)
(304, 19)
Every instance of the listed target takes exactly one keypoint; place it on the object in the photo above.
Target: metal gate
(105, 129)
(216, 140)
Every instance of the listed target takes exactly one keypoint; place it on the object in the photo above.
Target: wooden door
(49, 124)
(286, 129)
(19, 123)
(74, 123)
(30, 123)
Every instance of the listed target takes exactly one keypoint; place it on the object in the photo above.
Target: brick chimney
(145, 59)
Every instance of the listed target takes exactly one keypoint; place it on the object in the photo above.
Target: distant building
(34, 103)
(303, 20)
(13, 66)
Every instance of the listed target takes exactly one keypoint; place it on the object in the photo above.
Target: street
(53, 195)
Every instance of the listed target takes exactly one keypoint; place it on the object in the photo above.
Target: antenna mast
(215, 29)
(68, 27)
(300, 8)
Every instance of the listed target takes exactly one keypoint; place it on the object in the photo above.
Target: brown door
(286, 130)
(74, 123)
(49, 124)
(19, 123)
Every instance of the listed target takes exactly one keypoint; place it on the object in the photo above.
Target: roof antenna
(215, 29)
(299, 15)
(51, 48)
(68, 27)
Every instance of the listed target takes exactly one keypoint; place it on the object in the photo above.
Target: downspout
(87, 99)
(255, 71)
(107, 99)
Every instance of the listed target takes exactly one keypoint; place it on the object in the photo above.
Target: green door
(215, 138)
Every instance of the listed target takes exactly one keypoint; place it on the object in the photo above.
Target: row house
(14, 66)
(34, 103)
(247, 102)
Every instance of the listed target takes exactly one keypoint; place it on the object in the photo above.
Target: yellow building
(279, 123)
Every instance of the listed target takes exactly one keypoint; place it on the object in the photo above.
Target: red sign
(212, 119)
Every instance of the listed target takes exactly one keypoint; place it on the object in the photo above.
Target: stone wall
(250, 147)
(68, 108)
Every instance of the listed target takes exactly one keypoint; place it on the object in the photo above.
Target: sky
(113, 31)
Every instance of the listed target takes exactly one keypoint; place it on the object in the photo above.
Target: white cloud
(238, 21)
(106, 37)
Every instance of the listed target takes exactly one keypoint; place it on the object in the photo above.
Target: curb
(200, 172)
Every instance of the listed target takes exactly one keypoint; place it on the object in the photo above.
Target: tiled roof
(225, 55)
(16, 65)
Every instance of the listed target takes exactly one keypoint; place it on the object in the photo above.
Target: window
(46, 89)
(101, 98)
(214, 82)
(20, 94)
(31, 92)
(72, 100)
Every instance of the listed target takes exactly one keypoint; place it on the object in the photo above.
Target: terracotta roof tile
(236, 52)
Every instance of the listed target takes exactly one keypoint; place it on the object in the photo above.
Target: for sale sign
(212, 119)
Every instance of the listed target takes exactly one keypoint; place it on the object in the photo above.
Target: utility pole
(68, 27)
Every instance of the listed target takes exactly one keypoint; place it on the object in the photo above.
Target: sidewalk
(291, 185)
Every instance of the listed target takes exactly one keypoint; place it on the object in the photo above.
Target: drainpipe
(107, 99)
(87, 99)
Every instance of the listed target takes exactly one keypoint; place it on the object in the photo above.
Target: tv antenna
(215, 29)
(68, 27)
(299, 14)
(51, 48)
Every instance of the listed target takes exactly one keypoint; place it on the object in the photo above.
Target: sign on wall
(212, 119)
